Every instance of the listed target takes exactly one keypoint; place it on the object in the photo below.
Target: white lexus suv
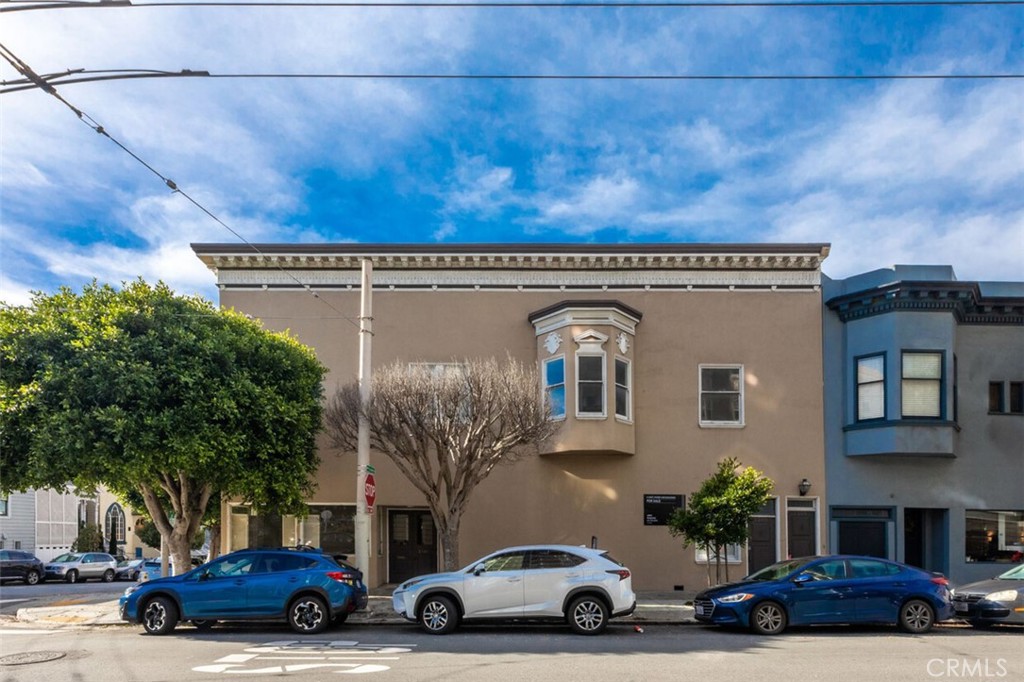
(583, 587)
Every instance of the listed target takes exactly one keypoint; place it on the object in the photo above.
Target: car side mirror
(205, 575)
(802, 578)
(478, 569)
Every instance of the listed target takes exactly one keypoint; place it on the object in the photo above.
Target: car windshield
(126, 562)
(67, 558)
(779, 570)
(1015, 573)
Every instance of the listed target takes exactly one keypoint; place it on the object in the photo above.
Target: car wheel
(72, 576)
(160, 616)
(768, 618)
(917, 617)
(588, 616)
(108, 575)
(203, 625)
(438, 615)
(32, 577)
(308, 615)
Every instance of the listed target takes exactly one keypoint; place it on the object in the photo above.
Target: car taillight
(342, 577)
(940, 580)
(622, 573)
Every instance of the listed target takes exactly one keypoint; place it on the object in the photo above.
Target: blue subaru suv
(309, 589)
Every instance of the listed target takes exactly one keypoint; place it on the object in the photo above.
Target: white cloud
(597, 203)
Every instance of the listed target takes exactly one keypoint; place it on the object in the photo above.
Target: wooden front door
(412, 544)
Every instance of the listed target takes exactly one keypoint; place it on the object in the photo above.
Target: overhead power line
(27, 5)
(25, 70)
(72, 77)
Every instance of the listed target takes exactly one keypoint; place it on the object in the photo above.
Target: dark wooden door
(761, 550)
(801, 533)
(412, 544)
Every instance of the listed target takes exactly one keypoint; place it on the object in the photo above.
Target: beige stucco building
(663, 358)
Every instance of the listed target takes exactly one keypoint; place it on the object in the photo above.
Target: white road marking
(307, 651)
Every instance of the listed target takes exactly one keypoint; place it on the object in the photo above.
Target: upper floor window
(623, 378)
(590, 385)
(554, 386)
(4, 507)
(997, 397)
(721, 395)
(871, 387)
(922, 384)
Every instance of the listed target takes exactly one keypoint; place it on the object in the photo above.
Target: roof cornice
(963, 300)
(504, 256)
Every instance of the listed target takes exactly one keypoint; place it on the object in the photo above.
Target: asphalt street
(659, 652)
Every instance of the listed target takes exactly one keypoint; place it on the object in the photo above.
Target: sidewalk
(653, 608)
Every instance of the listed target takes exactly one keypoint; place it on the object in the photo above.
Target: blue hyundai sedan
(829, 590)
(308, 589)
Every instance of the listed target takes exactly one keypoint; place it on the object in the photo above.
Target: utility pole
(363, 553)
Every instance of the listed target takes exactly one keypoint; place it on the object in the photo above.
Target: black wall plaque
(658, 508)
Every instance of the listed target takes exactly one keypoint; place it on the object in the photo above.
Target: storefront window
(994, 535)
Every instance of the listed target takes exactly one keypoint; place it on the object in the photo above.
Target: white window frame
(940, 382)
(628, 417)
(547, 387)
(6, 510)
(741, 421)
(603, 414)
(859, 385)
(733, 555)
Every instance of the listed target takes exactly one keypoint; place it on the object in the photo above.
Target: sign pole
(362, 522)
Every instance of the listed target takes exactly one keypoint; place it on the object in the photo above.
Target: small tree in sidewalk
(446, 430)
(718, 514)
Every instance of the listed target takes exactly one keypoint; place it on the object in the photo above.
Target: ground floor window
(731, 555)
(994, 535)
(330, 527)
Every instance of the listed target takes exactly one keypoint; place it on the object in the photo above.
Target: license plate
(960, 607)
(699, 610)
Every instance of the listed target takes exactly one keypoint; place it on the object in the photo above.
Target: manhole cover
(31, 657)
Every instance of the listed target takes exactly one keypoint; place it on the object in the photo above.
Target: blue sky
(916, 171)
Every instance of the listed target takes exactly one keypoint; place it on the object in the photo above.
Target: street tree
(446, 429)
(159, 395)
(718, 514)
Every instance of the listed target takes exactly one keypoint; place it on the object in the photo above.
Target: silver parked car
(580, 586)
(999, 600)
(75, 566)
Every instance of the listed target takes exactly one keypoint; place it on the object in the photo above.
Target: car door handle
(239, 581)
(514, 580)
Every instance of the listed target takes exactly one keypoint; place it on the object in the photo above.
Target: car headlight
(735, 598)
(1005, 595)
(130, 589)
(409, 583)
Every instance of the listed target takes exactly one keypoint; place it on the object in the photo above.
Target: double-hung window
(921, 388)
(871, 387)
(623, 408)
(554, 386)
(721, 395)
(590, 385)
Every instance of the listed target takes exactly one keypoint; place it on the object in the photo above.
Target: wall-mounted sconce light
(804, 487)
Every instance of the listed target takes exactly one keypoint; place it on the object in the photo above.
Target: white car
(580, 586)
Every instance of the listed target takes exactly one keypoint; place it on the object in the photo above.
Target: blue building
(924, 419)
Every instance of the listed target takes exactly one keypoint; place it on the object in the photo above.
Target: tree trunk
(718, 564)
(448, 535)
(189, 502)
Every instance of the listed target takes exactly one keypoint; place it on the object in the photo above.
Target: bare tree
(446, 428)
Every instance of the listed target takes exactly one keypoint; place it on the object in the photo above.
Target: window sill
(721, 425)
(1006, 414)
(588, 416)
(886, 423)
(623, 420)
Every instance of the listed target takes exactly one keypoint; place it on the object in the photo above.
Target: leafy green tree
(90, 539)
(156, 394)
(718, 514)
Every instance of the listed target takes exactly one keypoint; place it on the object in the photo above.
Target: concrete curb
(378, 612)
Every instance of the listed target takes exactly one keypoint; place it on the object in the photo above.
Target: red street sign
(370, 490)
